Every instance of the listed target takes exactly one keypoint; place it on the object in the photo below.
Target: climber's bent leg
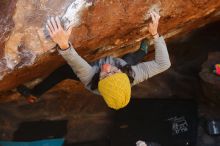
(60, 74)
(138, 56)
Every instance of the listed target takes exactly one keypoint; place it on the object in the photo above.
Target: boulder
(101, 28)
(88, 118)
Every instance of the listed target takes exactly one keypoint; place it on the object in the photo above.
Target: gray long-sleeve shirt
(140, 72)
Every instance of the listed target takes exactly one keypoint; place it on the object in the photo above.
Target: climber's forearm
(80, 67)
(61, 37)
(161, 54)
(148, 69)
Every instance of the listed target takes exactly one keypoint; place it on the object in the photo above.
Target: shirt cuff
(69, 50)
(158, 39)
(66, 48)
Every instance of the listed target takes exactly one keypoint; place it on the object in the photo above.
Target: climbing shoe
(144, 45)
(25, 91)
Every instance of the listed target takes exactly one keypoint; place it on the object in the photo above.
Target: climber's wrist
(64, 46)
(155, 36)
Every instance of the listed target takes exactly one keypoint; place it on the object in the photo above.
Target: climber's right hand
(57, 33)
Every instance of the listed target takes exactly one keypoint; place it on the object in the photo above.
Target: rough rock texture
(210, 81)
(85, 115)
(88, 116)
(103, 28)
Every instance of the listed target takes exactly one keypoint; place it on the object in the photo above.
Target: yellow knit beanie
(116, 90)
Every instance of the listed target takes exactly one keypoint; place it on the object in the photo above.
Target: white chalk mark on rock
(72, 15)
(155, 7)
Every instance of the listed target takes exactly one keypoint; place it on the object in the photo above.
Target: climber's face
(108, 70)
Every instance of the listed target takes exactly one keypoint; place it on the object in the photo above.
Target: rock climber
(109, 77)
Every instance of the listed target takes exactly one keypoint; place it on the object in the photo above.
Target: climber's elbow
(165, 66)
(168, 65)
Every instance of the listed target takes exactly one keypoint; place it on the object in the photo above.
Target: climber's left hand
(57, 33)
(153, 26)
